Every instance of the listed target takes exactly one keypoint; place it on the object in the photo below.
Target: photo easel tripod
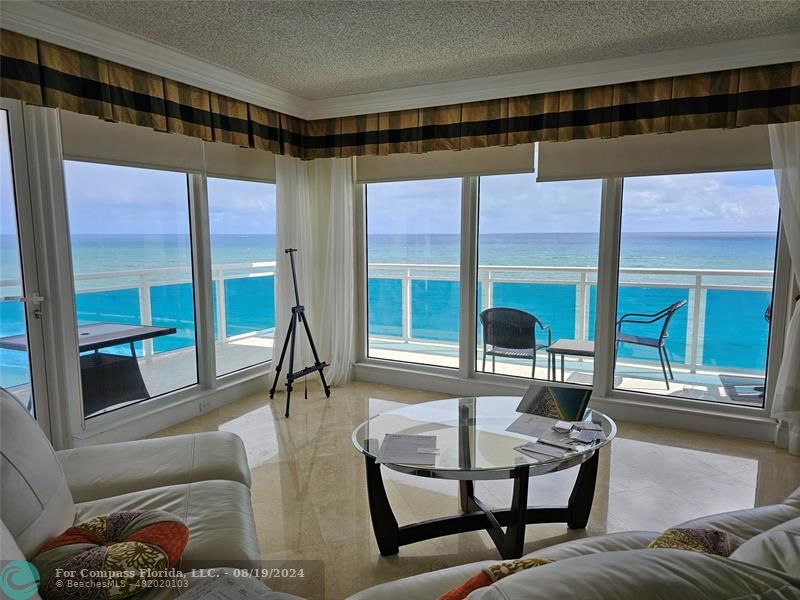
(298, 316)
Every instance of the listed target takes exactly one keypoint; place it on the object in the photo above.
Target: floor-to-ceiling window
(697, 254)
(134, 297)
(413, 274)
(537, 272)
(242, 227)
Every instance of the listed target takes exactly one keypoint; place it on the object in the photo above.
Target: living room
(417, 299)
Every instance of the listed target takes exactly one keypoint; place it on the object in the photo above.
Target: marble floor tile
(310, 499)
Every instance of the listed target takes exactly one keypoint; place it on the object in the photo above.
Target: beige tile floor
(310, 499)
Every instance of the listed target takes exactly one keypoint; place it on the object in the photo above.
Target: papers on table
(542, 451)
(228, 587)
(408, 448)
(587, 436)
(553, 438)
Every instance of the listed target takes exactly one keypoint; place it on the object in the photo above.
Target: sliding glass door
(21, 305)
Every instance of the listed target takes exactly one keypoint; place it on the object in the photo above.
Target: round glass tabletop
(476, 438)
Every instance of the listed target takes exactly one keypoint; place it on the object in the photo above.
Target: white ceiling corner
(64, 27)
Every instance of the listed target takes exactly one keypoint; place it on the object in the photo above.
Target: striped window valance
(45, 74)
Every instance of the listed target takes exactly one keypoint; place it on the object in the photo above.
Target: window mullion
(203, 281)
(468, 276)
(607, 277)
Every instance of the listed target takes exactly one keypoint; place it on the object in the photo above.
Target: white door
(22, 308)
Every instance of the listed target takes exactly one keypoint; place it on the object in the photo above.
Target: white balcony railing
(143, 280)
(696, 281)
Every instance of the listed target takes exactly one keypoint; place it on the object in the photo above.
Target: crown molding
(67, 29)
(62, 27)
(683, 61)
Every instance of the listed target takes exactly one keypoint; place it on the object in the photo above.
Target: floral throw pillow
(111, 557)
(708, 541)
(490, 574)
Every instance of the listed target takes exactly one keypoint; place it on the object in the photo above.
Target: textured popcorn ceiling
(321, 49)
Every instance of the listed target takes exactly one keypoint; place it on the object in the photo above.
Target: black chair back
(509, 328)
(667, 315)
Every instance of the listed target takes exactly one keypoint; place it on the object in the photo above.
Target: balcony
(244, 321)
(717, 343)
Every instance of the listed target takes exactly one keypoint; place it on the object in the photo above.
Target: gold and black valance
(41, 73)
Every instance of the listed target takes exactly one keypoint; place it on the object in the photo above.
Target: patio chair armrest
(647, 315)
(549, 332)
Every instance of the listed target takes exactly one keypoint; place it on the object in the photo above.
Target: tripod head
(290, 252)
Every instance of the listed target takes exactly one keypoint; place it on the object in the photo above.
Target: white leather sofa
(202, 478)
(620, 566)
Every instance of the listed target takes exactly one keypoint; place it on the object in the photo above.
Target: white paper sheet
(408, 449)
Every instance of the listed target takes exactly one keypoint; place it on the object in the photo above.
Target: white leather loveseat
(620, 566)
(203, 478)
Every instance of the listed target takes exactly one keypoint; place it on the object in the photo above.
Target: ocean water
(735, 333)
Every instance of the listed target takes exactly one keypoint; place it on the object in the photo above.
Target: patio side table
(569, 348)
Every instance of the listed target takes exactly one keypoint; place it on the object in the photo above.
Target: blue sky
(745, 201)
(112, 199)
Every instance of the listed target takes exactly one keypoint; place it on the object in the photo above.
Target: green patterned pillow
(708, 541)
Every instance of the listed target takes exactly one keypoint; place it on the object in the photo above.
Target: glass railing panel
(249, 305)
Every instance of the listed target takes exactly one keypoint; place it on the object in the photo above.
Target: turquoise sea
(734, 336)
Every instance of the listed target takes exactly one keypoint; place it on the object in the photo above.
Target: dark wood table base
(476, 515)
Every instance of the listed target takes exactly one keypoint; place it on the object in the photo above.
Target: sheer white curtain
(785, 146)
(295, 224)
(315, 215)
(337, 339)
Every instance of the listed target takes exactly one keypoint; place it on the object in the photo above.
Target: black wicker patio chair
(511, 333)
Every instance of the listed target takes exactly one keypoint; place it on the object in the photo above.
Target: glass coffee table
(473, 444)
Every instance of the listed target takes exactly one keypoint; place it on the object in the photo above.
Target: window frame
(46, 155)
(678, 412)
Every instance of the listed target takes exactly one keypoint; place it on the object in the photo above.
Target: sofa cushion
(750, 521)
(623, 540)
(777, 548)
(218, 513)
(668, 574)
(37, 504)
(112, 469)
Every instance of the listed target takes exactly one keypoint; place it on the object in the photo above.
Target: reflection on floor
(731, 388)
(310, 500)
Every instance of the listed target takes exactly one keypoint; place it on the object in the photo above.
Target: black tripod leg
(316, 356)
(290, 373)
(280, 361)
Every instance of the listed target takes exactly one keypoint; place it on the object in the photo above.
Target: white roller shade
(91, 139)
(227, 160)
(706, 151)
(498, 160)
